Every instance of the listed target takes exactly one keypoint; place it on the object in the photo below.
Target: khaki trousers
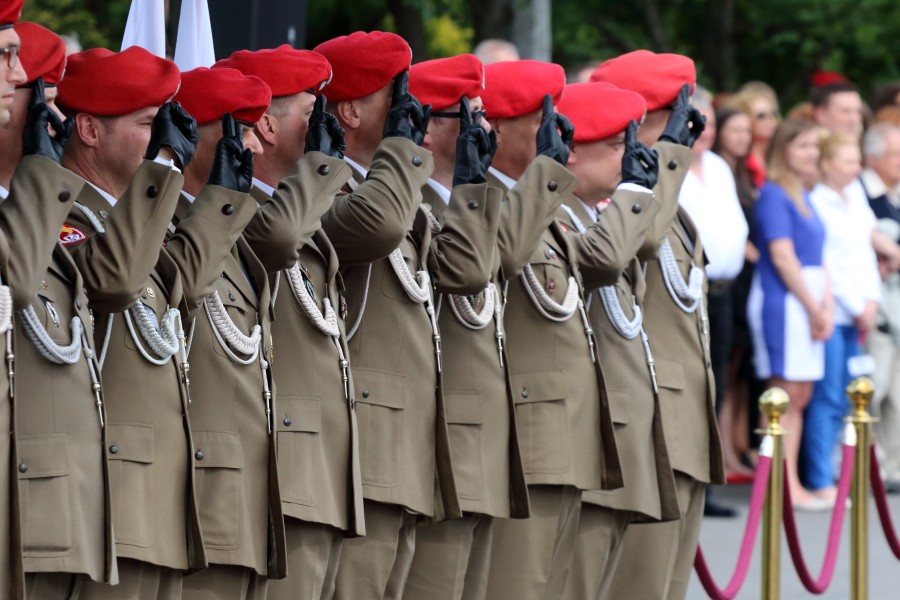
(52, 586)
(225, 582)
(313, 555)
(375, 567)
(452, 560)
(657, 558)
(138, 580)
(530, 558)
(598, 546)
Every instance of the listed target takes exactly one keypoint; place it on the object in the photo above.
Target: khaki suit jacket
(40, 197)
(150, 450)
(318, 446)
(681, 351)
(564, 425)
(649, 489)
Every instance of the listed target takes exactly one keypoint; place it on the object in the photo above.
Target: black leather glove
(232, 166)
(36, 137)
(685, 123)
(406, 118)
(474, 148)
(640, 164)
(554, 134)
(175, 129)
(324, 134)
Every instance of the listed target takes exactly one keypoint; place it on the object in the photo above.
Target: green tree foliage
(97, 23)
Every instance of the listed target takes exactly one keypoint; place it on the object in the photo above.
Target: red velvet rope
(884, 511)
(757, 498)
(818, 586)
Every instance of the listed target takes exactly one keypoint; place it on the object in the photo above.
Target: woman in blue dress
(790, 307)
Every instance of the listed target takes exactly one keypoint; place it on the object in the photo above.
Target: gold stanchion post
(773, 403)
(860, 392)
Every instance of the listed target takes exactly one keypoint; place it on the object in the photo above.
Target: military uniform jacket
(41, 195)
(318, 453)
(649, 489)
(404, 442)
(681, 350)
(564, 426)
(151, 461)
(487, 462)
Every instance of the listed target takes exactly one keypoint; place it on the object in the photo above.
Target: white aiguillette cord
(232, 340)
(6, 328)
(687, 295)
(165, 341)
(418, 289)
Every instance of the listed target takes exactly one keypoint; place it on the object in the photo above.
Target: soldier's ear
(87, 129)
(349, 113)
(267, 129)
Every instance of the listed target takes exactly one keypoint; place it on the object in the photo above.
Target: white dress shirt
(440, 190)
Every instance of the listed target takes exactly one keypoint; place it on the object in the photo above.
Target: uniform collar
(505, 179)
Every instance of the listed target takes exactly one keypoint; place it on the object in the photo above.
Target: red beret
(210, 93)
(10, 11)
(443, 81)
(516, 88)
(823, 78)
(600, 110)
(111, 84)
(363, 63)
(43, 53)
(285, 70)
(656, 77)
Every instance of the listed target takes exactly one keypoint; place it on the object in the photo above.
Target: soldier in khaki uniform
(395, 343)
(321, 488)
(452, 558)
(604, 157)
(565, 429)
(657, 558)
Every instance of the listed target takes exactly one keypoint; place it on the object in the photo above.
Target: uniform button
(23, 468)
(637, 209)
(231, 296)
(152, 191)
(228, 209)
(524, 393)
(199, 455)
(324, 170)
(64, 196)
(417, 161)
(144, 295)
(365, 393)
(78, 304)
(104, 214)
(473, 204)
(672, 165)
(552, 186)
(113, 449)
(287, 422)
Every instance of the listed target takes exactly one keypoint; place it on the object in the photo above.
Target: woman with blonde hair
(790, 307)
(761, 105)
(856, 287)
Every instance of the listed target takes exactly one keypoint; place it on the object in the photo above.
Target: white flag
(146, 26)
(194, 45)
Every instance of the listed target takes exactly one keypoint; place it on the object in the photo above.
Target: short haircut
(820, 97)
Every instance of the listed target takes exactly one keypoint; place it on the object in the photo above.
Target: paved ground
(721, 538)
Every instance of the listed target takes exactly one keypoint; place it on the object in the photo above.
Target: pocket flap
(618, 406)
(670, 374)
(463, 408)
(539, 386)
(130, 442)
(299, 413)
(42, 455)
(218, 449)
(379, 388)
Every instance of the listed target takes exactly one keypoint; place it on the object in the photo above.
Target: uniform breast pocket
(45, 495)
(130, 450)
(379, 411)
(465, 422)
(542, 418)
(299, 462)
(219, 460)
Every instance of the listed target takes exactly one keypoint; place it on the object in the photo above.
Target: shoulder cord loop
(228, 335)
(686, 295)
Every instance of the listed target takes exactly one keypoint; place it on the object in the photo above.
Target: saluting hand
(685, 124)
(36, 137)
(475, 148)
(232, 166)
(406, 118)
(554, 134)
(173, 128)
(324, 133)
(640, 164)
